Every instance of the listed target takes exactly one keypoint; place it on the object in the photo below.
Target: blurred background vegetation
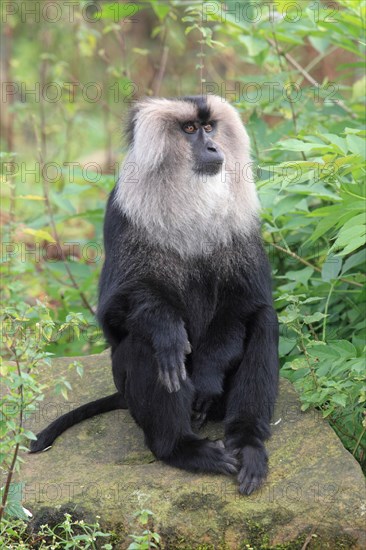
(295, 71)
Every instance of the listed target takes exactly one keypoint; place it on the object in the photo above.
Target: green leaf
(141, 51)
(349, 240)
(301, 276)
(254, 45)
(298, 145)
(285, 205)
(343, 348)
(13, 507)
(317, 316)
(161, 9)
(356, 145)
(340, 399)
(339, 142)
(29, 435)
(40, 234)
(357, 259)
(331, 268)
(321, 44)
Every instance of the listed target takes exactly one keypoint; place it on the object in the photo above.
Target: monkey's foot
(202, 455)
(253, 468)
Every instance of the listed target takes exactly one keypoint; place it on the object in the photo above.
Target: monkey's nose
(211, 146)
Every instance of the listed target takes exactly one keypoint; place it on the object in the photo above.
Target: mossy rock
(314, 493)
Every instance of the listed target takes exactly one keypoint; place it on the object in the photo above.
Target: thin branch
(163, 62)
(162, 68)
(336, 428)
(10, 117)
(16, 448)
(314, 62)
(293, 113)
(8, 481)
(309, 78)
(305, 262)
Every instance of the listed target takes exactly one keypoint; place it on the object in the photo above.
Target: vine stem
(307, 358)
(326, 309)
(359, 441)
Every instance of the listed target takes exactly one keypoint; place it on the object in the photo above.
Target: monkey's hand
(171, 365)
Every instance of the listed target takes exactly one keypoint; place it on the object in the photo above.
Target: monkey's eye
(189, 128)
(208, 127)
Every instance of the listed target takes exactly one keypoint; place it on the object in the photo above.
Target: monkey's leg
(220, 349)
(165, 417)
(251, 399)
(47, 436)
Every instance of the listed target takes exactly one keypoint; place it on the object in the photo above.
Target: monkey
(185, 298)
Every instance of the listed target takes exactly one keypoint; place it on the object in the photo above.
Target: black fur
(203, 110)
(151, 302)
(192, 339)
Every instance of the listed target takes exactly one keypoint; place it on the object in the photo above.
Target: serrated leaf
(317, 316)
(339, 399)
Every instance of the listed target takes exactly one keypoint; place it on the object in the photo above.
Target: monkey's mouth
(209, 168)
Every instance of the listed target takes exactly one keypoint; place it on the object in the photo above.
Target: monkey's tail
(47, 436)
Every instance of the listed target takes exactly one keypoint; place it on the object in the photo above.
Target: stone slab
(314, 495)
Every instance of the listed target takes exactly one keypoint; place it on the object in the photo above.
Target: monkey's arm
(139, 309)
(132, 300)
(153, 318)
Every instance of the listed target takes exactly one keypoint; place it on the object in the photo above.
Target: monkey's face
(187, 176)
(180, 135)
(187, 136)
(207, 155)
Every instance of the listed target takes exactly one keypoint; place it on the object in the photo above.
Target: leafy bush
(68, 535)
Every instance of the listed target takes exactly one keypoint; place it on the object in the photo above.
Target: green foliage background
(296, 73)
